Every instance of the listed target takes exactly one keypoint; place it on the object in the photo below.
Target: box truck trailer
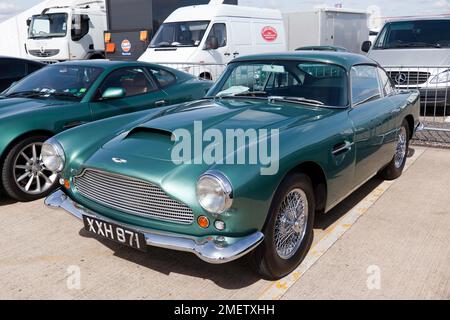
(67, 30)
(133, 23)
(327, 27)
(203, 39)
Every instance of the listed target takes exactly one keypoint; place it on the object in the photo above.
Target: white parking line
(277, 289)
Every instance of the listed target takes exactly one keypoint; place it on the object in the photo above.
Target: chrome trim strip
(211, 249)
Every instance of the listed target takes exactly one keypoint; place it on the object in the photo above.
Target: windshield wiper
(62, 94)
(24, 94)
(297, 100)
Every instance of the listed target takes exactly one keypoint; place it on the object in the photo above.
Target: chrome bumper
(213, 249)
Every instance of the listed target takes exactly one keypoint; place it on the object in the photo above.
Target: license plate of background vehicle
(115, 233)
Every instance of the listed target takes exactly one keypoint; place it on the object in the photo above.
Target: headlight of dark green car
(214, 192)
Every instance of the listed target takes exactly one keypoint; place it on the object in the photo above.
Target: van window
(180, 34)
(219, 30)
(365, 85)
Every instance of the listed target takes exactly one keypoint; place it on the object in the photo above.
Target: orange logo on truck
(269, 34)
(126, 46)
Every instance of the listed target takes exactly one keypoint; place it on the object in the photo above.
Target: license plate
(115, 233)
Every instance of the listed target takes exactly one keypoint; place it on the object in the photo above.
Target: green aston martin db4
(278, 139)
(66, 95)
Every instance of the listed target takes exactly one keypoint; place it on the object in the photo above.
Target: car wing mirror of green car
(113, 93)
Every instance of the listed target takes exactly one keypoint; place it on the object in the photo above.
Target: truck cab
(62, 33)
(202, 39)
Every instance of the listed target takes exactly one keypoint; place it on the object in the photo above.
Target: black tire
(393, 170)
(8, 172)
(265, 259)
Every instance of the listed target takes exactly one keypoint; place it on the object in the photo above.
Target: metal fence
(433, 84)
(207, 71)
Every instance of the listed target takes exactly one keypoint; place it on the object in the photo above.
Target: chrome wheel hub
(30, 174)
(291, 223)
(402, 142)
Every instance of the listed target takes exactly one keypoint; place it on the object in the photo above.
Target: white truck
(67, 30)
(202, 39)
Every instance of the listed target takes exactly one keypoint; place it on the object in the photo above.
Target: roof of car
(344, 59)
(101, 63)
(20, 59)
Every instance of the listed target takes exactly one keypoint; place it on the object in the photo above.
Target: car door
(223, 54)
(370, 115)
(140, 92)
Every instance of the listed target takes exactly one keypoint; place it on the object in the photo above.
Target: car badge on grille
(120, 161)
(401, 78)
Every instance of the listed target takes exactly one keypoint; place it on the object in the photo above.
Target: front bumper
(439, 97)
(212, 249)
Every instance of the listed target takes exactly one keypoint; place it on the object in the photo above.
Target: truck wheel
(396, 166)
(24, 177)
(205, 76)
(289, 230)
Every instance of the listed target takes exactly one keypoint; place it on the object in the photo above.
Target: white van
(202, 39)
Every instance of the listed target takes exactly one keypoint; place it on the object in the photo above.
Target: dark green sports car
(244, 170)
(66, 95)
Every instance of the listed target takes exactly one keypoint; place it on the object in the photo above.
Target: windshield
(415, 34)
(304, 82)
(180, 34)
(48, 25)
(59, 82)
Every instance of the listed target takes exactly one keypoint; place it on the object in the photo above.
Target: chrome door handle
(160, 103)
(342, 148)
(227, 54)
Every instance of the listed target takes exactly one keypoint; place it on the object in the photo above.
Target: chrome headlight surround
(442, 77)
(53, 156)
(214, 192)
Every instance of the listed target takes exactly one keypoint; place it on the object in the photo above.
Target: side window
(164, 78)
(219, 31)
(386, 83)
(365, 85)
(80, 22)
(134, 81)
(13, 70)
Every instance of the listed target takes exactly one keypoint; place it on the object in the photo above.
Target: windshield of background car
(315, 81)
(415, 34)
(180, 34)
(49, 25)
(58, 81)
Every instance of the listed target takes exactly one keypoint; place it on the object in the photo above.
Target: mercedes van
(416, 54)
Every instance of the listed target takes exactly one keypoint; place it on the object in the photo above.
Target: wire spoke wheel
(30, 174)
(291, 224)
(402, 144)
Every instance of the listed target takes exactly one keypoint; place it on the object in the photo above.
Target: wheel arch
(410, 119)
(21, 137)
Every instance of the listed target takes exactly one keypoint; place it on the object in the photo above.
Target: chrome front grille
(409, 78)
(44, 54)
(132, 196)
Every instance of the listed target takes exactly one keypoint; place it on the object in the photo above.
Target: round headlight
(214, 192)
(53, 156)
